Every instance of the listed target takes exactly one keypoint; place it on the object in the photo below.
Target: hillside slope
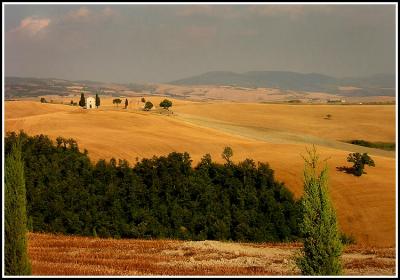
(286, 80)
(365, 205)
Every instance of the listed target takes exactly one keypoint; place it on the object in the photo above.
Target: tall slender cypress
(15, 247)
(322, 245)
(97, 100)
(82, 101)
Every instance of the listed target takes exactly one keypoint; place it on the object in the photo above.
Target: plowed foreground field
(277, 134)
(67, 255)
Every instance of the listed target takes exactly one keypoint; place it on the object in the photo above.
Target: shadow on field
(345, 169)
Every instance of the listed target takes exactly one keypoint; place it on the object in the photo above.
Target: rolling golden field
(277, 134)
(72, 255)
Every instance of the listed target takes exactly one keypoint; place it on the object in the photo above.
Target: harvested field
(72, 255)
(366, 205)
(373, 122)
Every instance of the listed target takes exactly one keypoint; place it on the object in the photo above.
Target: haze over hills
(34, 87)
(379, 84)
(252, 86)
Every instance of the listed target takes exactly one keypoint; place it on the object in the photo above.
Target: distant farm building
(90, 103)
(336, 101)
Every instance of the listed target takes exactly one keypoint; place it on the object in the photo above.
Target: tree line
(159, 197)
(162, 197)
(166, 104)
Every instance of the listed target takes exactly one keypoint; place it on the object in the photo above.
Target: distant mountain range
(376, 85)
(379, 84)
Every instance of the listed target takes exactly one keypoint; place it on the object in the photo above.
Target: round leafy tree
(360, 160)
(166, 104)
(148, 106)
(117, 101)
(227, 154)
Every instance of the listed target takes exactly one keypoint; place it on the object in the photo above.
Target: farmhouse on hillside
(90, 103)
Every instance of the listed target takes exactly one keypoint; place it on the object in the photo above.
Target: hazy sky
(160, 43)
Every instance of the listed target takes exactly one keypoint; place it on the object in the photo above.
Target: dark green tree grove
(158, 197)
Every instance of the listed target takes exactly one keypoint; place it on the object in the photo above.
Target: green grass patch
(377, 145)
(347, 239)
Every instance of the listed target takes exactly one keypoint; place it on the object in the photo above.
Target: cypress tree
(97, 100)
(15, 247)
(82, 102)
(322, 246)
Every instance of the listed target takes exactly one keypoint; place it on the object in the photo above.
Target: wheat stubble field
(273, 133)
(72, 255)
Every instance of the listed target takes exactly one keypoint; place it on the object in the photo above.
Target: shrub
(347, 239)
